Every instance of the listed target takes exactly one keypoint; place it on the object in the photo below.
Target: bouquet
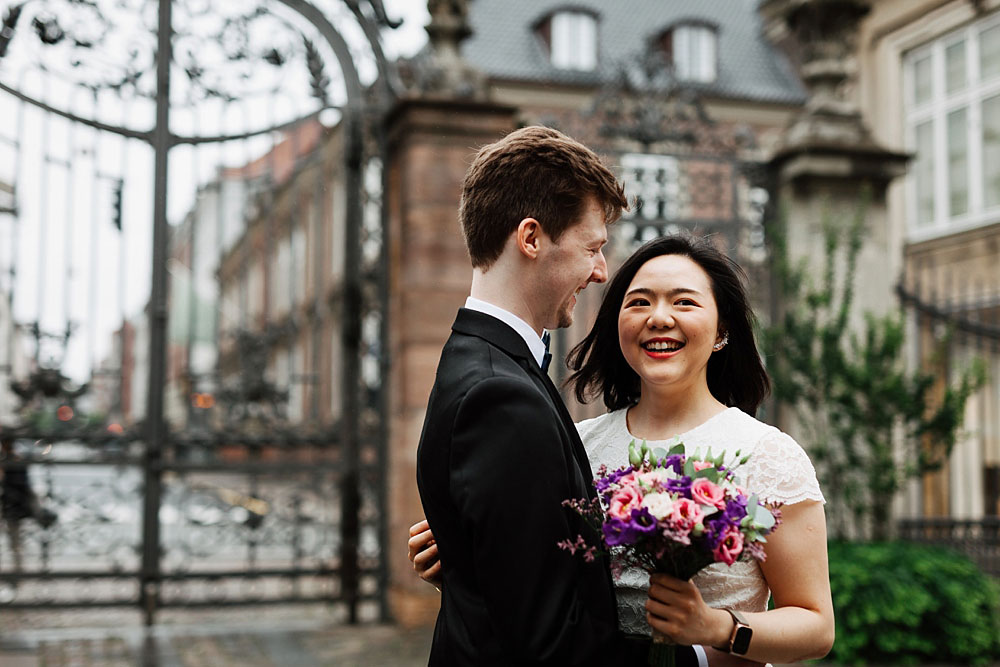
(673, 513)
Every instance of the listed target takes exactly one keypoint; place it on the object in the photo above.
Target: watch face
(741, 642)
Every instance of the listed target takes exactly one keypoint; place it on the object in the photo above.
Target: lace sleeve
(780, 471)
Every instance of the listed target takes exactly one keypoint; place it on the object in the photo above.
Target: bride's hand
(422, 551)
(676, 609)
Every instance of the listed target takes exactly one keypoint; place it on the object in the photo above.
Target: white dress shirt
(533, 340)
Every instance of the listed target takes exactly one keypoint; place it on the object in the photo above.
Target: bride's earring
(722, 343)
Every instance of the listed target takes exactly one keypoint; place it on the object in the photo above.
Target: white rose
(658, 504)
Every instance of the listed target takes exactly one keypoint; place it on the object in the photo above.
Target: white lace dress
(778, 471)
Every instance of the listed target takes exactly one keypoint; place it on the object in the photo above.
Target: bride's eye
(636, 302)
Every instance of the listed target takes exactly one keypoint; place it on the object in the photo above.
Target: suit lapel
(489, 328)
(574, 438)
(497, 333)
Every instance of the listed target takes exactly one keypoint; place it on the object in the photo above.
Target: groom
(499, 451)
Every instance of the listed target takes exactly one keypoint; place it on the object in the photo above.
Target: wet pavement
(256, 639)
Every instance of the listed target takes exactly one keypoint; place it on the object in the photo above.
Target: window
(692, 50)
(572, 40)
(281, 266)
(655, 180)
(952, 110)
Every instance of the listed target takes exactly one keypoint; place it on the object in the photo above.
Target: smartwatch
(739, 638)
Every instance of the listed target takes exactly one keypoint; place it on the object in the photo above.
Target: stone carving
(440, 71)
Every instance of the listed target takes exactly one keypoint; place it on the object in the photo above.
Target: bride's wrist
(721, 628)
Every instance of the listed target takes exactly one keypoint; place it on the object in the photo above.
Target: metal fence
(953, 305)
(221, 444)
(979, 540)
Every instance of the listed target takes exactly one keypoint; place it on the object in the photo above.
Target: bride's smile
(668, 323)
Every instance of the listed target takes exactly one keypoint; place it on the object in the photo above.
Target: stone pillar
(828, 160)
(432, 138)
(431, 144)
(828, 164)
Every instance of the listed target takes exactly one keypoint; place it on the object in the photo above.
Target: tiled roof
(504, 44)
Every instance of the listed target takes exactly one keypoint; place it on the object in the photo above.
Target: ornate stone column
(828, 157)
(433, 135)
(828, 164)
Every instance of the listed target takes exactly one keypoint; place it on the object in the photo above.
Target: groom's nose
(600, 272)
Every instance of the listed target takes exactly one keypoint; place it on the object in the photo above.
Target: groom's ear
(527, 237)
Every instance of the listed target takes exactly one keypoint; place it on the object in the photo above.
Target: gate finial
(443, 71)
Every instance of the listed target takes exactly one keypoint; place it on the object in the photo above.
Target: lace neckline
(623, 424)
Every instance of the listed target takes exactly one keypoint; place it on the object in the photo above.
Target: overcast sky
(65, 200)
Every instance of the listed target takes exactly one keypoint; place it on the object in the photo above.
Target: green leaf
(708, 473)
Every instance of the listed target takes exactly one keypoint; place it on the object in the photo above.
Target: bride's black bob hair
(736, 375)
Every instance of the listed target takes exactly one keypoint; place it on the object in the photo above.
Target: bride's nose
(661, 317)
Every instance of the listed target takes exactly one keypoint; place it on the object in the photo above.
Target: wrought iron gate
(218, 442)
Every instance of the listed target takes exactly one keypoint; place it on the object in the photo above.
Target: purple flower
(715, 529)
(642, 522)
(617, 475)
(617, 532)
(736, 509)
(681, 485)
(675, 461)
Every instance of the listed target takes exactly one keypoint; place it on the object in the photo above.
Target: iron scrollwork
(246, 505)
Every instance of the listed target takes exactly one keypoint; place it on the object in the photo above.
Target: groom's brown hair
(535, 172)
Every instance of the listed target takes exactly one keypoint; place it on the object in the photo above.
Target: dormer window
(693, 50)
(571, 36)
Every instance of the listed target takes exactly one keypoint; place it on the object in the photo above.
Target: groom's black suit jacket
(498, 455)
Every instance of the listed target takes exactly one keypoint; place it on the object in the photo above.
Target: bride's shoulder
(750, 429)
(594, 428)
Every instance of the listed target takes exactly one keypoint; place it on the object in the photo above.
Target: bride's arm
(800, 627)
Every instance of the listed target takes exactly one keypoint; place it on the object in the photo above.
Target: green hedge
(902, 603)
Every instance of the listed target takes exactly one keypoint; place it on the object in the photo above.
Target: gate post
(155, 427)
(430, 145)
(828, 162)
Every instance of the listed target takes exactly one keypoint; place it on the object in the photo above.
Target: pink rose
(623, 502)
(730, 546)
(684, 514)
(701, 465)
(704, 492)
(626, 480)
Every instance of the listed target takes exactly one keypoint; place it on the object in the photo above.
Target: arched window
(571, 36)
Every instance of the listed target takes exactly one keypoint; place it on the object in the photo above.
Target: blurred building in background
(929, 84)
(685, 100)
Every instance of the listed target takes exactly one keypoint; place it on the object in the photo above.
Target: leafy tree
(869, 423)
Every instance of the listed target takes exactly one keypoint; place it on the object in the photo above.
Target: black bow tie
(547, 357)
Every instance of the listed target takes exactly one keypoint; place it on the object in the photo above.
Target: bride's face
(668, 323)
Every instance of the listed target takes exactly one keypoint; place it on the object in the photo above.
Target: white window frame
(695, 52)
(654, 179)
(936, 110)
(281, 263)
(573, 40)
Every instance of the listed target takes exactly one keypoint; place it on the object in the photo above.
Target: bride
(672, 352)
